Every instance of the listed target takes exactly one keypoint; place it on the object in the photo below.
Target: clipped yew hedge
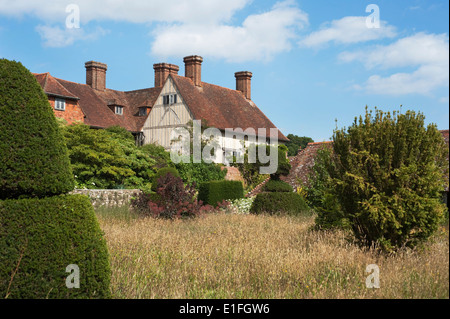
(215, 192)
(34, 160)
(40, 238)
(42, 231)
(279, 202)
(277, 186)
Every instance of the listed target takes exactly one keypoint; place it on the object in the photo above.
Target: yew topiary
(42, 230)
(33, 154)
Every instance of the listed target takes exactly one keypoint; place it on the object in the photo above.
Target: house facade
(153, 114)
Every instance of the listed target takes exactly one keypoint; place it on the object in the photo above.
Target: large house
(152, 114)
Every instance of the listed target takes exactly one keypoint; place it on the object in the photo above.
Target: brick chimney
(244, 83)
(162, 71)
(193, 68)
(96, 75)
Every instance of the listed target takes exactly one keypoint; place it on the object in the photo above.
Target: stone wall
(108, 197)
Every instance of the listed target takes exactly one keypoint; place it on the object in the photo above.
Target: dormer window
(60, 104)
(118, 110)
(143, 111)
(169, 99)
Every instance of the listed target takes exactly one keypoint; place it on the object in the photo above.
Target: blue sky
(313, 62)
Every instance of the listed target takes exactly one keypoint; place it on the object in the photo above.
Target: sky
(316, 64)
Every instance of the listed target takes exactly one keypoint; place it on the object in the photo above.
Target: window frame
(58, 103)
(118, 107)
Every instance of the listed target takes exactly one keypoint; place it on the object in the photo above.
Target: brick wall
(73, 112)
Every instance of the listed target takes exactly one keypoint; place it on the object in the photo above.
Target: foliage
(110, 158)
(250, 169)
(40, 238)
(242, 205)
(319, 192)
(284, 166)
(215, 192)
(297, 143)
(162, 172)
(33, 156)
(385, 176)
(277, 186)
(200, 172)
(279, 202)
(174, 200)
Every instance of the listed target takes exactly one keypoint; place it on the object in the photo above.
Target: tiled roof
(302, 163)
(221, 107)
(51, 86)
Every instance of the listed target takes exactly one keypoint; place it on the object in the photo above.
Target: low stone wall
(108, 197)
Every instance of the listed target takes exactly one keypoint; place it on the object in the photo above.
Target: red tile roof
(221, 107)
(51, 86)
(302, 164)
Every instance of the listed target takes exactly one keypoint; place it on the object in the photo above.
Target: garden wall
(108, 197)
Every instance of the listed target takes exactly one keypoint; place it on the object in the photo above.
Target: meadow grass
(249, 256)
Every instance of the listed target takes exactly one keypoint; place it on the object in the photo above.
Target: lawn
(248, 256)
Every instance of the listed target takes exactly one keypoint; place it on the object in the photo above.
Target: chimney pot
(162, 71)
(193, 68)
(244, 83)
(96, 75)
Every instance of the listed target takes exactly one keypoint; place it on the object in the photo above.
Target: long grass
(248, 256)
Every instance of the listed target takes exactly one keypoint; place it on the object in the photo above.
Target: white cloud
(347, 30)
(427, 53)
(136, 11)
(260, 36)
(57, 37)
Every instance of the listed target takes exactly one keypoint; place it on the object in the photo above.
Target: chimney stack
(162, 71)
(96, 75)
(193, 69)
(244, 83)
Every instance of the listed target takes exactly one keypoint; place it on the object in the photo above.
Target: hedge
(34, 160)
(277, 186)
(39, 238)
(278, 202)
(215, 192)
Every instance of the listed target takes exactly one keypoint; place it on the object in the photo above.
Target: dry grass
(247, 256)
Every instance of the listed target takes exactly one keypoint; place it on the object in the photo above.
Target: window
(60, 104)
(169, 99)
(142, 111)
(119, 110)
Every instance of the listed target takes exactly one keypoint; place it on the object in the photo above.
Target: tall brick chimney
(244, 83)
(96, 75)
(162, 71)
(193, 68)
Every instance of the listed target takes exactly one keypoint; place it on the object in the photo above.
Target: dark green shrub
(162, 172)
(282, 202)
(40, 238)
(277, 186)
(386, 174)
(33, 156)
(215, 192)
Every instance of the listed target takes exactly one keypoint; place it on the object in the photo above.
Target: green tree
(98, 159)
(386, 173)
(297, 143)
